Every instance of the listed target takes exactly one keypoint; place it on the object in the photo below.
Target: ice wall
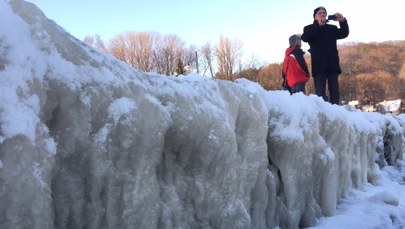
(87, 142)
(316, 158)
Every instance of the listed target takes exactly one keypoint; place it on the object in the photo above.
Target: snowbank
(86, 141)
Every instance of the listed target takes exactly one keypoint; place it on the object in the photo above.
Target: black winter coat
(323, 47)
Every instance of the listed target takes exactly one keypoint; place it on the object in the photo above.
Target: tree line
(154, 52)
(371, 72)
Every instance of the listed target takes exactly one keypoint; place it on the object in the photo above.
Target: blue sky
(263, 26)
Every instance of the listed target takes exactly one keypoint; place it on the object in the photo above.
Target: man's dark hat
(318, 9)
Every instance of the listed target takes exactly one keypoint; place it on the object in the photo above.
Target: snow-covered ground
(375, 206)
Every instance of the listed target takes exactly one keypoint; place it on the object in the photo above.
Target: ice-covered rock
(385, 198)
(88, 142)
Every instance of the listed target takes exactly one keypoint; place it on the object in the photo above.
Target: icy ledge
(87, 142)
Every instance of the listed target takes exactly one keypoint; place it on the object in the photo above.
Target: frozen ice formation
(88, 142)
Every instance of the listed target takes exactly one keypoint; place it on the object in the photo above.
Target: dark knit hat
(318, 9)
(293, 39)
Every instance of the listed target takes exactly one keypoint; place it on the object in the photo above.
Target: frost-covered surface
(87, 142)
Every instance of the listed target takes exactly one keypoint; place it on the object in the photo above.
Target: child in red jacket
(294, 66)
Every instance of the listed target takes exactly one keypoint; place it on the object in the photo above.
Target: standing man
(324, 54)
(295, 68)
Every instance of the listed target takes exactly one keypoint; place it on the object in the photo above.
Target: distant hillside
(357, 58)
(372, 72)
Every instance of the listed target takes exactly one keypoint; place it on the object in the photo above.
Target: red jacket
(292, 68)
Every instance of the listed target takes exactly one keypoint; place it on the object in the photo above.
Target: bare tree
(117, 47)
(269, 77)
(402, 80)
(228, 53)
(207, 59)
(95, 42)
(390, 84)
(348, 88)
(134, 48)
(369, 89)
(188, 56)
(150, 51)
(170, 48)
(140, 50)
(250, 70)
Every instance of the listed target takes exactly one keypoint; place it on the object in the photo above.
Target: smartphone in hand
(331, 17)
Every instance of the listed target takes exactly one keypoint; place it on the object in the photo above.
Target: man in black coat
(321, 38)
